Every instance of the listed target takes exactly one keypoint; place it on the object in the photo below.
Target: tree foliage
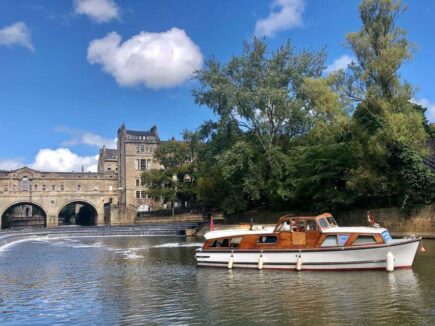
(175, 179)
(287, 136)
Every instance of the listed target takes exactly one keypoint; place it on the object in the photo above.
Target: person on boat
(293, 225)
(286, 226)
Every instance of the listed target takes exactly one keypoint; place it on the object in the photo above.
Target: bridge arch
(23, 213)
(86, 215)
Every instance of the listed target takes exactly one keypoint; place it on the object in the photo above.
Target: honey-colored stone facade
(52, 191)
(136, 155)
(115, 191)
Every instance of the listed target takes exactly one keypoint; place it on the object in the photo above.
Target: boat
(308, 243)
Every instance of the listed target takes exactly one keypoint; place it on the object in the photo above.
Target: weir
(8, 237)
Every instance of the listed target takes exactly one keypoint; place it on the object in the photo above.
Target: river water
(154, 280)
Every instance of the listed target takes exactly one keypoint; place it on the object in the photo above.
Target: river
(154, 280)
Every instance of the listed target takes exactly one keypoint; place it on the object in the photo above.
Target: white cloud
(63, 160)
(16, 34)
(156, 60)
(284, 15)
(100, 11)
(430, 106)
(54, 160)
(85, 137)
(340, 63)
(10, 164)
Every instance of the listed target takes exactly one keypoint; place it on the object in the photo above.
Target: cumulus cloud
(16, 34)
(54, 160)
(156, 60)
(10, 164)
(100, 11)
(63, 160)
(79, 137)
(430, 106)
(340, 63)
(284, 15)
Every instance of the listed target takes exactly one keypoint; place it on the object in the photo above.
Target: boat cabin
(297, 232)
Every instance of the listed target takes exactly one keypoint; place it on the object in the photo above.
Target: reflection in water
(154, 280)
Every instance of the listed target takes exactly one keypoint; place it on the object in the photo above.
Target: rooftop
(110, 154)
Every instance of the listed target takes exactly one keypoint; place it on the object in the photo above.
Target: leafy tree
(176, 178)
(416, 183)
(259, 99)
(384, 115)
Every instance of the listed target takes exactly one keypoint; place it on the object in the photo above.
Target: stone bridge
(50, 192)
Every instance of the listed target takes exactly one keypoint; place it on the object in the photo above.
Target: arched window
(24, 184)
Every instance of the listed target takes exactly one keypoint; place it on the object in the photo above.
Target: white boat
(308, 243)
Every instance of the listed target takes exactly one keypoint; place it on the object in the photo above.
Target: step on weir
(176, 229)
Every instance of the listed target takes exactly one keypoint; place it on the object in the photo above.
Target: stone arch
(23, 202)
(82, 202)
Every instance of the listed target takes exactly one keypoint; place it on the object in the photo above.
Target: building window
(53, 187)
(148, 164)
(5, 188)
(109, 168)
(62, 187)
(137, 194)
(24, 184)
(44, 187)
(35, 187)
(137, 149)
(79, 187)
(143, 164)
(142, 149)
(143, 194)
(137, 182)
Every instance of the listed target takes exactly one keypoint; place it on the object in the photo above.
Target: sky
(72, 71)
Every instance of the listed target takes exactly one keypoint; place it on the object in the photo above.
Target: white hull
(337, 258)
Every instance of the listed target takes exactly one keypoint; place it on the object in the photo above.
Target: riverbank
(420, 222)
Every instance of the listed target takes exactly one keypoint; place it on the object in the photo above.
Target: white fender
(390, 262)
(231, 261)
(299, 263)
(260, 262)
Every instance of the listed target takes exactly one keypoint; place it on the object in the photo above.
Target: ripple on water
(138, 281)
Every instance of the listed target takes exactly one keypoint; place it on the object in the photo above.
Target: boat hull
(337, 258)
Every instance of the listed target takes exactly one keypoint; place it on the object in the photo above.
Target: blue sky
(73, 70)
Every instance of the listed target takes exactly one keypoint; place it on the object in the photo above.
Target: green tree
(175, 179)
(261, 105)
(384, 115)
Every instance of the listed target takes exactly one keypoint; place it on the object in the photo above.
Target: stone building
(135, 154)
(50, 192)
(107, 160)
(115, 192)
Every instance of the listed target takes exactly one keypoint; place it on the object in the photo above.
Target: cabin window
(323, 223)
(267, 239)
(330, 241)
(220, 243)
(364, 239)
(331, 221)
(235, 242)
(311, 225)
